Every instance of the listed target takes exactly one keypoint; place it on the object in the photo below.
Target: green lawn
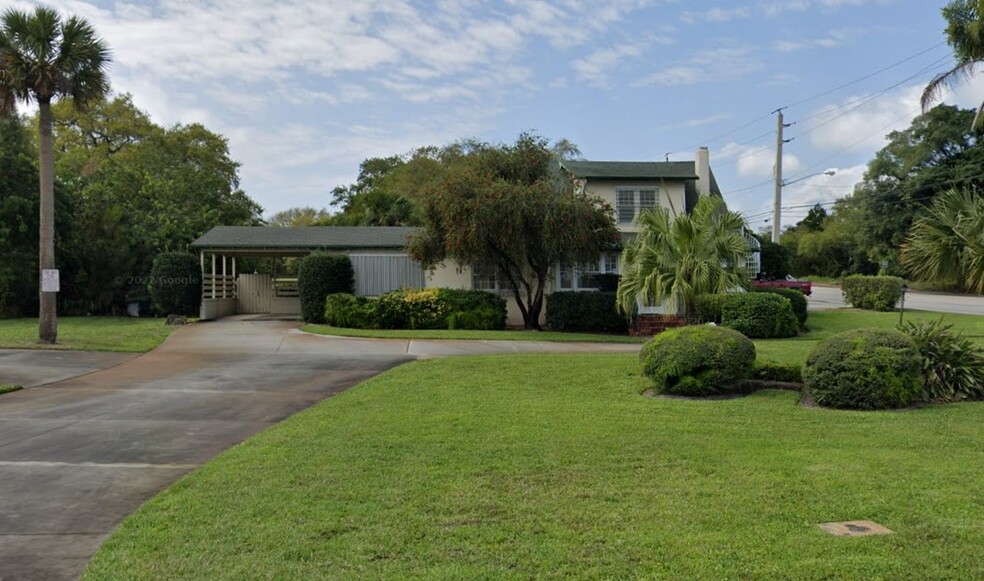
(511, 335)
(823, 324)
(8, 387)
(125, 334)
(554, 467)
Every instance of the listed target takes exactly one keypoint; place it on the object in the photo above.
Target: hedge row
(417, 309)
(755, 315)
(176, 284)
(584, 311)
(796, 299)
(873, 293)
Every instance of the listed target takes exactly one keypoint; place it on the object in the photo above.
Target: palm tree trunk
(48, 316)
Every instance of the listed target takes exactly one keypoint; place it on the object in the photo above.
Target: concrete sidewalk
(78, 455)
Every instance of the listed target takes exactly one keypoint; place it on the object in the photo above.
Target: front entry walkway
(78, 455)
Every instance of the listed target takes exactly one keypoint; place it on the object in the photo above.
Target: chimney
(702, 165)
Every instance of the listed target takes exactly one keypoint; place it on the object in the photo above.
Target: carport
(378, 255)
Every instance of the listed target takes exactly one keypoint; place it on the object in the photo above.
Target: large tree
(508, 209)
(675, 259)
(965, 33)
(937, 151)
(44, 58)
(946, 245)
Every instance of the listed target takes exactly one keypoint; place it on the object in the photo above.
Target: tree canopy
(509, 210)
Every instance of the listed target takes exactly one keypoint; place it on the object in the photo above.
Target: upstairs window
(630, 202)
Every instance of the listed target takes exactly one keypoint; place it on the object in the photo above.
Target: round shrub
(176, 284)
(319, 275)
(865, 369)
(796, 299)
(873, 293)
(759, 315)
(698, 360)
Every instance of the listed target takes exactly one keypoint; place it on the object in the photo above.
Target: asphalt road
(829, 297)
(78, 455)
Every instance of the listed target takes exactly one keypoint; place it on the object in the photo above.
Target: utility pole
(777, 208)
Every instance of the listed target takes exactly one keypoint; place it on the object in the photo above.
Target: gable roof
(632, 170)
(307, 238)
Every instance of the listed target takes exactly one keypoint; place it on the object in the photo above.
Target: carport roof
(302, 239)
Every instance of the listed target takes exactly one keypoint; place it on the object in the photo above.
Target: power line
(810, 98)
(866, 77)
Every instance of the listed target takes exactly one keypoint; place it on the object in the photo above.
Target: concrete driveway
(79, 454)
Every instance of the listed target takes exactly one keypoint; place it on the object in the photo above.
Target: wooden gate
(255, 293)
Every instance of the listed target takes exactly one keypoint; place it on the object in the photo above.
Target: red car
(764, 281)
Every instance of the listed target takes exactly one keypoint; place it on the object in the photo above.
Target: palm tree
(965, 33)
(44, 58)
(946, 243)
(676, 260)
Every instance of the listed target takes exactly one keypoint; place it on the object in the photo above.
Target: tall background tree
(509, 210)
(45, 58)
(965, 33)
(673, 260)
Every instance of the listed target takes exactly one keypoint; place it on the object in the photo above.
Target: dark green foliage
(319, 275)
(707, 308)
(480, 319)
(952, 365)
(176, 283)
(418, 309)
(772, 371)
(865, 369)
(776, 259)
(584, 311)
(698, 360)
(873, 293)
(796, 299)
(347, 310)
(759, 315)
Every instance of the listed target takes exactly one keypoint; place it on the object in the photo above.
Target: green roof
(303, 238)
(632, 170)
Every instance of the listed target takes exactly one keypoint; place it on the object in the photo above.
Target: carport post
(224, 273)
(201, 259)
(213, 276)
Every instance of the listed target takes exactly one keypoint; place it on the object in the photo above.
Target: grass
(445, 334)
(8, 387)
(554, 467)
(123, 334)
(824, 324)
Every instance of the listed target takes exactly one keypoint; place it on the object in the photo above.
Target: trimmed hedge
(319, 275)
(698, 360)
(176, 284)
(418, 309)
(346, 310)
(772, 371)
(707, 308)
(796, 299)
(584, 311)
(865, 369)
(872, 293)
(759, 315)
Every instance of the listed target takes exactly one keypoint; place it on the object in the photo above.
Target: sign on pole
(50, 282)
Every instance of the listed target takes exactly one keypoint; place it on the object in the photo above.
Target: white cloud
(595, 67)
(821, 188)
(756, 161)
(716, 14)
(861, 122)
(832, 39)
(706, 66)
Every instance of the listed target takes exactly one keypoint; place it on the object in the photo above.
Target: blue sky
(305, 90)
